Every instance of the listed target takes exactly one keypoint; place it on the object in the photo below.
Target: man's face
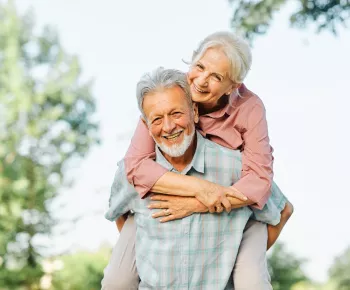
(170, 120)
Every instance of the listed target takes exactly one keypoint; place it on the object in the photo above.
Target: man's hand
(175, 207)
(214, 197)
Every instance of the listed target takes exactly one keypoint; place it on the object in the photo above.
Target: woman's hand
(175, 207)
(215, 197)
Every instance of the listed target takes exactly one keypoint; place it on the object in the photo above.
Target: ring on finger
(167, 212)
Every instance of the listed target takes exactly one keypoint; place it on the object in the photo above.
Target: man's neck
(180, 163)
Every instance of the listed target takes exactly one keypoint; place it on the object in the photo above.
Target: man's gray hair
(161, 79)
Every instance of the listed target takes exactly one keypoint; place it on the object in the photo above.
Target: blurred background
(68, 71)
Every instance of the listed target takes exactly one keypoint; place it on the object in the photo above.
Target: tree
(285, 268)
(254, 17)
(81, 271)
(46, 122)
(339, 272)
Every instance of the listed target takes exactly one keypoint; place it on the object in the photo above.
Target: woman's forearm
(212, 195)
(236, 203)
(176, 184)
(197, 207)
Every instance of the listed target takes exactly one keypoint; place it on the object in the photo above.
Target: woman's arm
(147, 175)
(177, 207)
(257, 159)
(141, 169)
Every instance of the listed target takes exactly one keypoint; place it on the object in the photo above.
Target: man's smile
(174, 136)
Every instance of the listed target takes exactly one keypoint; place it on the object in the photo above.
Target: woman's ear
(233, 88)
(195, 112)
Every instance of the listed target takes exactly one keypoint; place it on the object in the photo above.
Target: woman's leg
(274, 231)
(121, 272)
(250, 271)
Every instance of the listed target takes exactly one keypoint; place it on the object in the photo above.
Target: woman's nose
(203, 79)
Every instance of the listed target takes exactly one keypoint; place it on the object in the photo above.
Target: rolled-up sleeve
(257, 159)
(141, 169)
(122, 195)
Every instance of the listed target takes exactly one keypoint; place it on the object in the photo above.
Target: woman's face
(209, 78)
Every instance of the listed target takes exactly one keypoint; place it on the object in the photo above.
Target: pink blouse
(239, 125)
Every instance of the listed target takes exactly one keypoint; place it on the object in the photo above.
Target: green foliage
(81, 271)
(46, 121)
(308, 285)
(254, 17)
(285, 268)
(339, 272)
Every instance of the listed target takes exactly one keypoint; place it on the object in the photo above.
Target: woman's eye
(199, 66)
(217, 78)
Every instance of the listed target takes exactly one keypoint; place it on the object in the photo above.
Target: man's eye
(156, 121)
(177, 114)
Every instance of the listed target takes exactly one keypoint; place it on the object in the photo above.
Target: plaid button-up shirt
(199, 251)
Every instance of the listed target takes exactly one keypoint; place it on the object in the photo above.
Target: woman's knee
(255, 277)
(124, 281)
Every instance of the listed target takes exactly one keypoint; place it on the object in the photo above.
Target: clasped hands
(213, 198)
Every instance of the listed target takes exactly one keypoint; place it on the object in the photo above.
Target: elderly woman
(231, 116)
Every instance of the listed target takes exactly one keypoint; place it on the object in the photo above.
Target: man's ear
(195, 112)
(146, 124)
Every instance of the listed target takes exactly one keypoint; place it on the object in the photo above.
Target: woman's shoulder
(246, 105)
(248, 98)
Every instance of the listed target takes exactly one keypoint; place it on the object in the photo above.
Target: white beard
(178, 150)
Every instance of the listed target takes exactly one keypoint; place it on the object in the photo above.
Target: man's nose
(168, 125)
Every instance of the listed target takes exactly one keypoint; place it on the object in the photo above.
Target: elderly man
(196, 252)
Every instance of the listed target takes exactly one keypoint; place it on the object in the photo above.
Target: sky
(300, 76)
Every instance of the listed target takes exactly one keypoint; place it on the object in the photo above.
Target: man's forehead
(165, 99)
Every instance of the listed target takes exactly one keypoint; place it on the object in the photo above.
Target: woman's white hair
(234, 47)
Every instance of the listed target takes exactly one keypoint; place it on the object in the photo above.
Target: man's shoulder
(120, 178)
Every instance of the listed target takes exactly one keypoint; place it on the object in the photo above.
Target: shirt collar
(197, 162)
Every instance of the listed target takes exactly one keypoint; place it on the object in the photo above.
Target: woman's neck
(209, 108)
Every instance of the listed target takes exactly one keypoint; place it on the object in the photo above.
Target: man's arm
(121, 197)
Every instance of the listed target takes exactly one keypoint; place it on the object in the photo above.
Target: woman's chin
(196, 97)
